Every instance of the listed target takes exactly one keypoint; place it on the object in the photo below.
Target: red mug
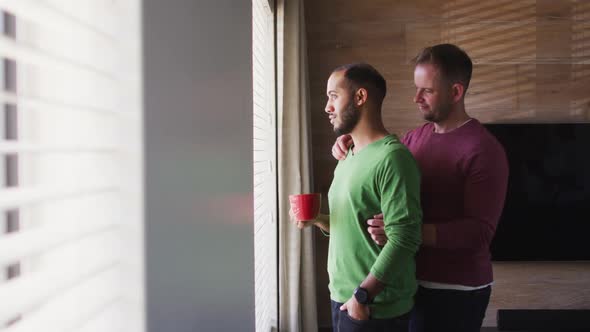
(305, 206)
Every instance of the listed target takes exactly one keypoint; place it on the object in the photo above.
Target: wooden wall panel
(539, 285)
(531, 64)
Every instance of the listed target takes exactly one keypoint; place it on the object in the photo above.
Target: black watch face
(361, 295)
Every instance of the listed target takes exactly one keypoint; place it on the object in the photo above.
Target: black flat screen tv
(546, 215)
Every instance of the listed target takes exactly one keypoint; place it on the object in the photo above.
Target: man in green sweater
(371, 287)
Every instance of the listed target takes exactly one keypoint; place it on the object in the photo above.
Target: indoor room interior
(149, 148)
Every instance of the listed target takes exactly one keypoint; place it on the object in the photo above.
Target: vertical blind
(71, 248)
(265, 173)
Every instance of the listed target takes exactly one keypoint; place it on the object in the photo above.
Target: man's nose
(329, 108)
(418, 97)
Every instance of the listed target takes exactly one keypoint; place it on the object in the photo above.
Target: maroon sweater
(464, 179)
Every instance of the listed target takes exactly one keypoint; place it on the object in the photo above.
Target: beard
(439, 113)
(350, 117)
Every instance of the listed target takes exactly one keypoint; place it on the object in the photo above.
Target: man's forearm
(323, 222)
(373, 286)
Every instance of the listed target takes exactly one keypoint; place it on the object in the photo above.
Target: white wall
(198, 154)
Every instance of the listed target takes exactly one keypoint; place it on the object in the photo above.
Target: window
(265, 172)
(71, 248)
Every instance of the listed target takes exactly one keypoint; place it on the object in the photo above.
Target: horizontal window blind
(71, 220)
(265, 173)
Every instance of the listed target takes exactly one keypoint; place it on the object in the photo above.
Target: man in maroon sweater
(464, 179)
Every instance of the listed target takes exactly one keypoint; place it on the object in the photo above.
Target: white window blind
(265, 173)
(71, 220)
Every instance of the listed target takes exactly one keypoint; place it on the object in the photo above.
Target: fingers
(377, 230)
(378, 216)
(302, 224)
(379, 239)
(345, 139)
(378, 235)
(341, 146)
(344, 142)
(377, 223)
(337, 153)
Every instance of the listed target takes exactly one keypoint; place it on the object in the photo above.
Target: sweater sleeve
(485, 190)
(399, 185)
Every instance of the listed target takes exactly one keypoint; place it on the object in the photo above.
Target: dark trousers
(342, 322)
(446, 310)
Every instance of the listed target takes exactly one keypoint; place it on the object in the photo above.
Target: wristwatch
(362, 296)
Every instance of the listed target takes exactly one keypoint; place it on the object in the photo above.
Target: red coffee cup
(305, 206)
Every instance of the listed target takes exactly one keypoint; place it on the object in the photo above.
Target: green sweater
(382, 177)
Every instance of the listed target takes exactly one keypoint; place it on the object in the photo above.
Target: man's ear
(458, 91)
(360, 97)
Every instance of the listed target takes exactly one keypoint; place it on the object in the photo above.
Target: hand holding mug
(305, 208)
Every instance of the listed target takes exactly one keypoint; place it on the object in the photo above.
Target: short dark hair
(454, 64)
(363, 75)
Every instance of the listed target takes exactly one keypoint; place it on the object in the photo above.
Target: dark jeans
(445, 310)
(342, 322)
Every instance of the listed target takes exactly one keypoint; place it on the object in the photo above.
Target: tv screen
(546, 215)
